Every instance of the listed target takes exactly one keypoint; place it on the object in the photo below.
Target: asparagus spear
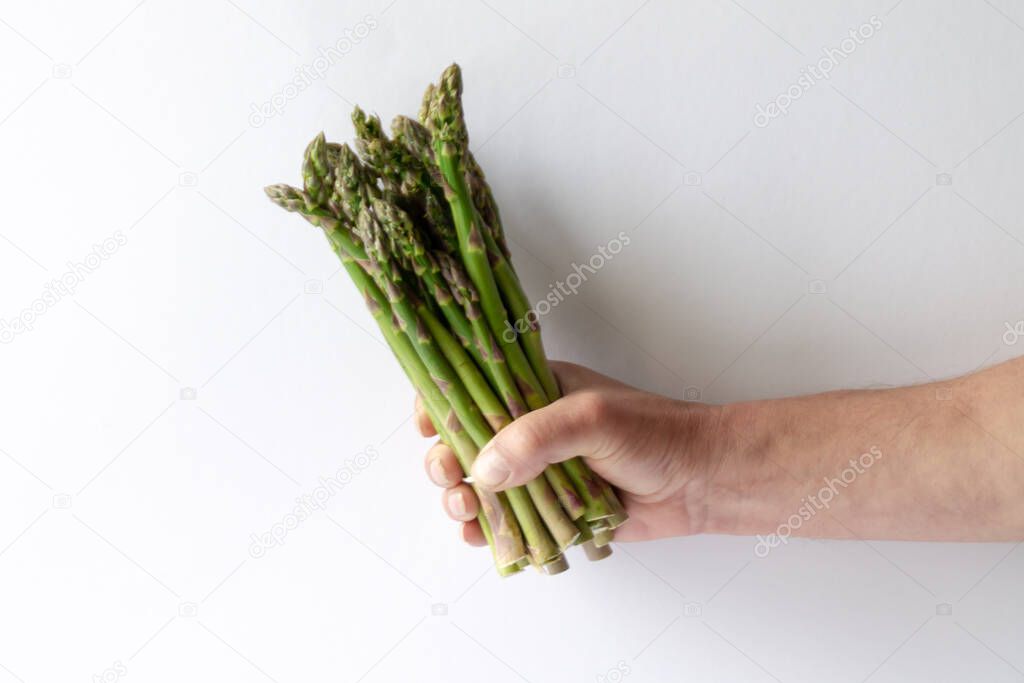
(419, 199)
(495, 511)
(496, 514)
(540, 492)
(388, 276)
(449, 141)
(354, 191)
(450, 138)
(417, 260)
(465, 319)
(485, 203)
(442, 110)
(466, 399)
(417, 140)
(354, 184)
(417, 318)
(507, 544)
(462, 289)
(317, 175)
(385, 155)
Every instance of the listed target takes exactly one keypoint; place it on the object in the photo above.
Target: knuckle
(519, 440)
(592, 408)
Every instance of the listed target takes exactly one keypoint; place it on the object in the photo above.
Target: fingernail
(457, 504)
(490, 469)
(438, 474)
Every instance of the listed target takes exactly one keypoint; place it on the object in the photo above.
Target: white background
(821, 251)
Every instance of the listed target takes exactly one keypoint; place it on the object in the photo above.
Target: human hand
(655, 450)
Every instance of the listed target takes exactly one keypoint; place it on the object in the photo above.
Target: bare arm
(932, 462)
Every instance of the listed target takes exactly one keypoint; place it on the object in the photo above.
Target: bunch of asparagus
(417, 228)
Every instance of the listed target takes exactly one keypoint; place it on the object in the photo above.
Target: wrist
(745, 485)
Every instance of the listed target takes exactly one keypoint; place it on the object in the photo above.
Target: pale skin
(933, 462)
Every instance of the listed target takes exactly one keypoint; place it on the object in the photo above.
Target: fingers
(458, 499)
(442, 467)
(573, 425)
(460, 503)
(472, 534)
(423, 422)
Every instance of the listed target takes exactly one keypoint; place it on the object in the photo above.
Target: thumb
(571, 426)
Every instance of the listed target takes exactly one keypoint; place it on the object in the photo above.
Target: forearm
(932, 462)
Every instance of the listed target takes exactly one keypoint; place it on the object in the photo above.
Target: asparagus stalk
(418, 320)
(417, 140)
(539, 542)
(417, 223)
(438, 272)
(455, 375)
(598, 497)
(485, 203)
(450, 140)
(596, 552)
(522, 317)
(507, 544)
(495, 512)
(544, 499)
(602, 538)
(496, 515)
(462, 289)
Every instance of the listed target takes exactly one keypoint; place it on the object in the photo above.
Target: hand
(656, 451)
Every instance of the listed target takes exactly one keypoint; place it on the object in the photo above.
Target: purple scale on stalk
(515, 408)
(592, 486)
(422, 333)
(371, 303)
(441, 294)
(475, 240)
(524, 387)
(452, 422)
